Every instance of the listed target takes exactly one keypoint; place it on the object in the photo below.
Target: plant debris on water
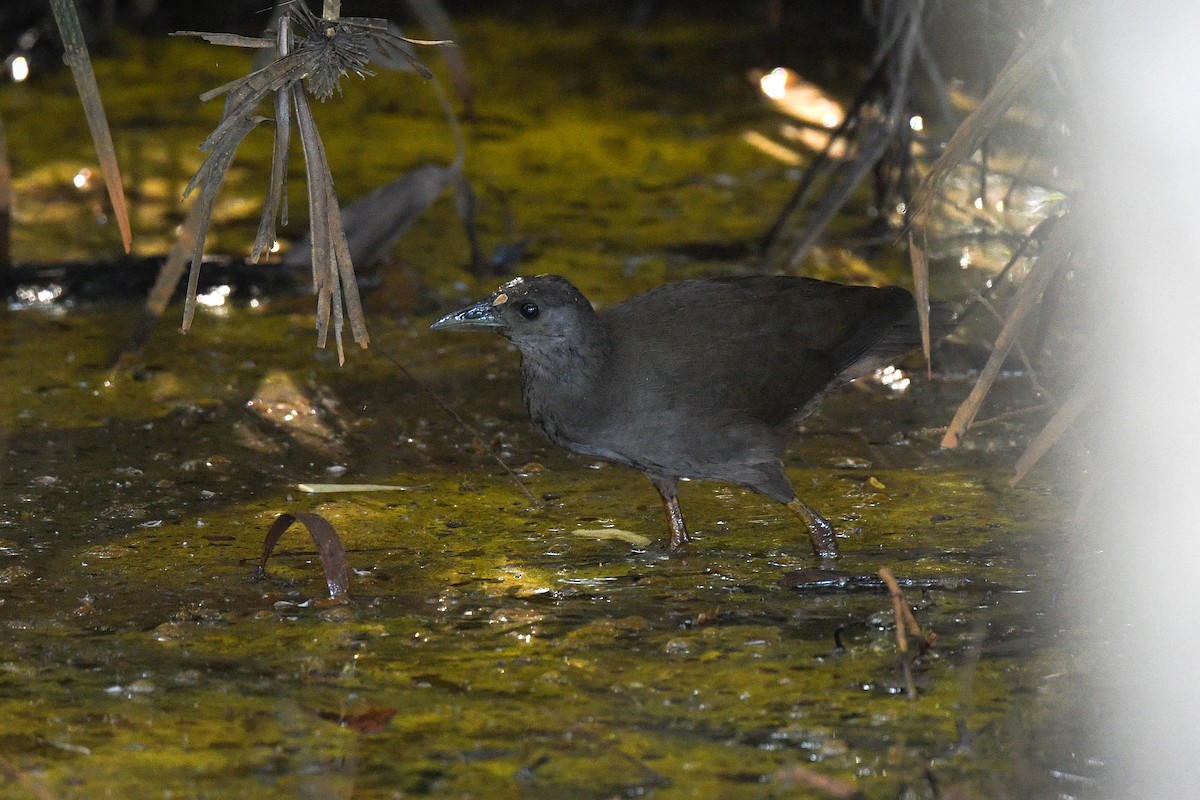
(317, 58)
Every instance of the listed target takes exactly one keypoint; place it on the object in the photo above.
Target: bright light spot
(774, 83)
(901, 208)
(988, 283)
(276, 246)
(979, 203)
(19, 68)
(47, 294)
(1000, 204)
(254, 303)
(916, 122)
(32, 296)
(214, 298)
(801, 99)
(82, 179)
(893, 378)
(965, 260)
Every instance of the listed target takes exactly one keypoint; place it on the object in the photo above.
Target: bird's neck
(570, 364)
(563, 381)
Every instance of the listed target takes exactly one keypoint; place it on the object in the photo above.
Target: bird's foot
(678, 539)
(666, 490)
(824, 539)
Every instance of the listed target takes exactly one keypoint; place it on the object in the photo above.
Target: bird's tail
(901, 339)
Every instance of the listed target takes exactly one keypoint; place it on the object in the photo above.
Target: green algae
(486, 650)
(516, 660)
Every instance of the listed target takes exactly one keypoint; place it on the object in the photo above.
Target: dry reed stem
(906, 625)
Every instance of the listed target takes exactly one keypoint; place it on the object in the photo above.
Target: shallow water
(488, 649)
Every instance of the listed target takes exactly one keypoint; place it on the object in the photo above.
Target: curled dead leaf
(329, 549)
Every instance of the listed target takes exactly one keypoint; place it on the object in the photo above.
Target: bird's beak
(480, 315)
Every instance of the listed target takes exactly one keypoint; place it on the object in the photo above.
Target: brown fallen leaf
(370, 720)
(800, 775)
(329, 548)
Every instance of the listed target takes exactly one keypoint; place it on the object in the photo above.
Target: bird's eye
(529, 310)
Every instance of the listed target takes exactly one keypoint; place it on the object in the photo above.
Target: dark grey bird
(699, 379)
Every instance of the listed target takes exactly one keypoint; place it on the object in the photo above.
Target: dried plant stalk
(1055, 253)
(1063, 418)
(75, 53)
(1026, 65)
(906, 626)
(920, 270)
(315, 52)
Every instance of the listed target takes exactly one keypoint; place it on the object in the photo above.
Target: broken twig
(906, 625)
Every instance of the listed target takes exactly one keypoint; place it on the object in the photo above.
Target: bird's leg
(679, 534)
(667, 490)
(824, 541)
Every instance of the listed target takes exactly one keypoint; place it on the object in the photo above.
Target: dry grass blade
(808, 180)
(1055, 253)
(904, 616)
(209, 178)
(376, 220)
(1022, 356)
(164, 286)
(314, 52)
(329, 549)
(980, 298)
(75, 53)
(1026, 64)
(1058, 424)
(275, 206)
(906, 625)
(247, 92)
(271, 77)
(388, 44)
(333, 270)
(920, 271)
(229, 39)
(277, 188)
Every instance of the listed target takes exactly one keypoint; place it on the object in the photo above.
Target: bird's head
(537, 314)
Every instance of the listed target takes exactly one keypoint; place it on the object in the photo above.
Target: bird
(697, 379)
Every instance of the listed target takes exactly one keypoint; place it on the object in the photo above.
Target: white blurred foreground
(1139, 543)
